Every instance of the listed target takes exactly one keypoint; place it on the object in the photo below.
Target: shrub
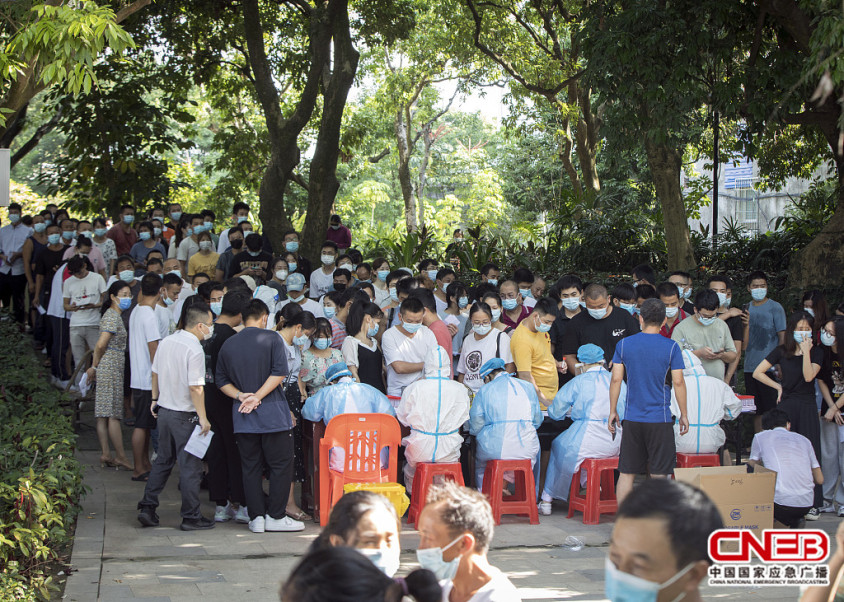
(40, 480)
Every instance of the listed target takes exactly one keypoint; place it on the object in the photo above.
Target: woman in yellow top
(205, 261)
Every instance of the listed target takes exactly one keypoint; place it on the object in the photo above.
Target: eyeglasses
(485, 323)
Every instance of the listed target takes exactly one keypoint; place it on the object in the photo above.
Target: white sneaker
(242, 515)
(813, 514)
(224, 513)
(256, 525)
(283, 524)
(827, 507)
(545, 508)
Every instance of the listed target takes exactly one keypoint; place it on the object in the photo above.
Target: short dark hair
(681, 273)
(205, 289)
(645, 291)
(523, 275)
(201, 274)
(75, 264)
(194, 314)
(124, 207)
(423, 265)
(239, 206)
(145, 224)
(208, 213)
(234, 302)
(644, 271)
(443, 272)
(707, 299)
(154, 261)
(487, 267)
(150, 285)
(720, 278)
(411, 305)
(254, 309)
(14, 206)
(546, 307)
(653, 312)
(774, 418)
(334, 218)
(624, 291)
(690, 516)
(237, 284)
(595, 291)
(329, 244)
(343, 273)
(567, 281)
(234, 230)
(170, 278)
(667, 289)
(756, 275)
(254, 242)
(406, 285)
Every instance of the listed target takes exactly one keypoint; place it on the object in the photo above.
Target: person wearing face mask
(223, 269)
(683, 282)
(434, 408)
(485, 343)
(291, 245)
(624, 296)
(363, 273)
(205, 261)
(240, 214)
(31, 248)
(646, 358)
(146, 243)
(338, 233)
(456, 315)
(800, 362)
(380, 271)
(104, 244)
(253, 261)
(165, 309)
(406, 346)
(706, 336)
(178, 402)
(340, 394)
(174, 212)
(669, 294)
(567, 292)
(187, 246)
(504, 417)
(83, 245)
(360, 349)
(431, 320)
(814, 303)
(13, 236)
(322, 278)
(337, 311)
(208, 219)
(511, 300)
(603, 324)
(722, 286)
(122, 232)
(317, 359)
(278, 281)
(83, 295)
(524, 279)
(342, 279)
(344, 262)
(107, 369)
(296, 296)
(659, 543)
(442, 280)
(456, 528)
(531, 349)
(831, 384)
(56, 337)
(428, 273)
(764, 329)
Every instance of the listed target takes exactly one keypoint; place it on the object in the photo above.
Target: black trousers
(13, 289)
(803, 414)
(275, 450)
(789, 515)
(60, 334)
(225, 474)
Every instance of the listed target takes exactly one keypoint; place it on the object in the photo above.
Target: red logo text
(777, 545)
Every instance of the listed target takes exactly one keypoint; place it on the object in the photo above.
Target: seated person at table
(587, 397)
(434, 408)
(708, 401)
(345, 396)
(504, 417)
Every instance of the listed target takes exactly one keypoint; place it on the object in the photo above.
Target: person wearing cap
(587, 398)
(434, 408)
(344, 395)
(504, 417)
(296, 294)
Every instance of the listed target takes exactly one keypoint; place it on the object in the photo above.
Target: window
(747, 204)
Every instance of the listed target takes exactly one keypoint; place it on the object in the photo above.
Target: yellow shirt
(532, 353)
(199, 263)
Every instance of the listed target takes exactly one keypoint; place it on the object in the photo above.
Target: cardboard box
(746, 500)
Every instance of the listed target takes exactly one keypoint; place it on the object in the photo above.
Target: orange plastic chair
(362, 436)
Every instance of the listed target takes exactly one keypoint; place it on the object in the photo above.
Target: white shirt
(143, 329)
(476, 353)
(309, 305)
(320, 282)
(11, 241)
(529, 302)
(499, 589)
(56, 306)
(223, 243)
(165, 320)
(441, 306)
(382, 296)
(187, 249)
(792, 457)
(350, 350)
(82, 291)
(179, 364)
(397, 346)
(294, 362)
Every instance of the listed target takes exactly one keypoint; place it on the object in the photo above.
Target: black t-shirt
(688, 307)
(832, 374)
(791, 368)
(46, 264)
(605, 333)
(262, 261)
(736, 327)
(558, 332)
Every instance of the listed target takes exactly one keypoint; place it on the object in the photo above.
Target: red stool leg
(574, 493)
(593, 495)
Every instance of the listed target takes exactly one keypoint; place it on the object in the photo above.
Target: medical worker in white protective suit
(345, 396)
(587, 396)
(504, 417)
(434, 408)
(708, 401)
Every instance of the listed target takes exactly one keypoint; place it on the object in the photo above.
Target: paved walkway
(115, 559)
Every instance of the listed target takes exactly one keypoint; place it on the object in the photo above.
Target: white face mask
(385, 559)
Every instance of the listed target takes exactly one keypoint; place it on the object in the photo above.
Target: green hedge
(40, 480)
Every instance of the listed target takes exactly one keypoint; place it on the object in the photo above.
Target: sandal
(301, 516)
(141, 477)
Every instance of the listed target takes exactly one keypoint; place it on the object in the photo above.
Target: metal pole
(716, 126)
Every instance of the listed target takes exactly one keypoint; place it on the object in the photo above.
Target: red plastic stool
(600, 490)
(523, 502)
(695, 460)
(424, 478)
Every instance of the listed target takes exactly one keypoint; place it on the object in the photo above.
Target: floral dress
(109, 390)
(313, 369)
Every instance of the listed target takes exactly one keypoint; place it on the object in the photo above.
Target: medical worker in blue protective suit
(504, 417)
(434, 408)
(708, 401)
(587, 396)
(345, 396)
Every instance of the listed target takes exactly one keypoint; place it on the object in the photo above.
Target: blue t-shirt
(648, 358)
(246, 360)
(766, 321)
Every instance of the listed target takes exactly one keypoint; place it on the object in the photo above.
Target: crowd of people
(182, 328)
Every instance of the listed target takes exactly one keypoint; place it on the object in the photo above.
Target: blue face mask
(802, 335)
(758, 293)
(329, 312)
(291, 246)
(291, 266)
(671, 311)
(189, 232)
(571, 303)
(14, 218)
(128, 219)
(67, 235)
(482, 329)
(432, 559)
(630, 307)
(542, 327)
(525, 293)
(393, 295)
(254, 253)
(706, 321)
(386, 561)
(492, 281)
(624, 587)
(177, 272)
(157, 231)
(295, 299)
(373, 331)
(208, 225)
(462, 302)
(100, 232)
(301, 340)
(722, 299)
(242, 218)
(144, 235)
(217, 307)
(827, 339)
(411, 328)
(176, 215)
(509, 304)
(124, 303)
(127, 275)
(496, 315)
(39, 227)
(432, 274)
(322, 343)
(598, 314)
(382, 275)
(168, 301)
(54, 239)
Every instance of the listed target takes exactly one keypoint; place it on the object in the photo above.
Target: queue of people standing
(582, 371)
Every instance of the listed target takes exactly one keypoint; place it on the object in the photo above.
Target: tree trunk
(405, 181)
(665, 163)
(586, 139)
(323, 184)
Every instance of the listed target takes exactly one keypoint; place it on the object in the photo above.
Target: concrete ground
(114, 558)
